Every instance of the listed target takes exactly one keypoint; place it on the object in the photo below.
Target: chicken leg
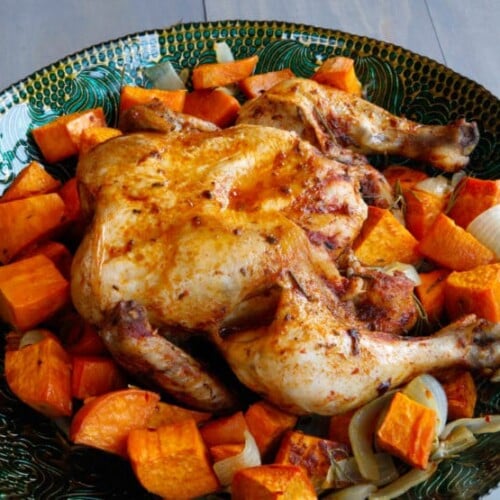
(311, 360)
(334, 120)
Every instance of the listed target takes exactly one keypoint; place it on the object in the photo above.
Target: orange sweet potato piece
(407, 430)
(339, 72)
(172, 461)
(33, 179)
(60, 138)
(93, 136)
(212, 105)
(405, 177)
(105, 421)
(222, 451)
(166, 413)
(383, 240)
(71, 198)
(272, 482)
(95, 375)
(82, 339)
(31, 291)
(57, 252)
(211, 75)
(472, 197)
(338, 428)
(267, 424)
(254, 85)
(461, 393)
(27, 221)
(475, 291)
(453, 247)
(311, 453)
(225, 430)
(421, 210)
(40, 376)
(430, 293)
(131, 96)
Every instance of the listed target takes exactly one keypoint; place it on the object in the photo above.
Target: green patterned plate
(36, 461)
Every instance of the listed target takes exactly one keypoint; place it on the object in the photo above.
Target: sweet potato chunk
(421, 211)
(105, 421)
(225, 430)
(272, 482)
(33, 179)
(461, 393)
(31, 291)
(254, 85)
(211, 75)
(131, 96)
(451, 246)
(95, 375)
(57, 252)
(473, 196)
(475, 291)
(267, 424)
(40, 376)
(172, 461)
(384, 240)
(27, 221)
(60, 138)
(93, 136)
(212, 105)
(430, 292)
(408, 430)
(339, 72)
(311, 453)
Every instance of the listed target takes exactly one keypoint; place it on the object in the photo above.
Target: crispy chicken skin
(236, 233)
(345, 126)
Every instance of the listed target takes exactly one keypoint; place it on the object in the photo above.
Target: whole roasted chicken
(242, 237)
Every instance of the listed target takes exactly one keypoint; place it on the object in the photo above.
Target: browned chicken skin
(344, 126)
(236, 233)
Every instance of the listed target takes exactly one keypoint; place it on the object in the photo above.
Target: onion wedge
(361, 430)
(248, 457)
(486, 228)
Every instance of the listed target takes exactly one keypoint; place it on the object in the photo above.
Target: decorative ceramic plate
(36, 461)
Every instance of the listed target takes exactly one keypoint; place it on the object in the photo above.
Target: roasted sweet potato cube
(384, 240)
(268, 424)
(28, 221)
(311, 453)
(60, 138)
(225, 430)
(104, 422)
(31, 291)
(33, 179)
(408, 430)
(473, 196)
(93, 136)
(40, 376)
(461, 393)
(223, 451)
(431, 293)
(474, 291)
(272, 482)
(339, 72)
(451, 246)
(95, 375)
(172, 461)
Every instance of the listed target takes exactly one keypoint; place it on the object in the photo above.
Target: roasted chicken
(242, 236)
